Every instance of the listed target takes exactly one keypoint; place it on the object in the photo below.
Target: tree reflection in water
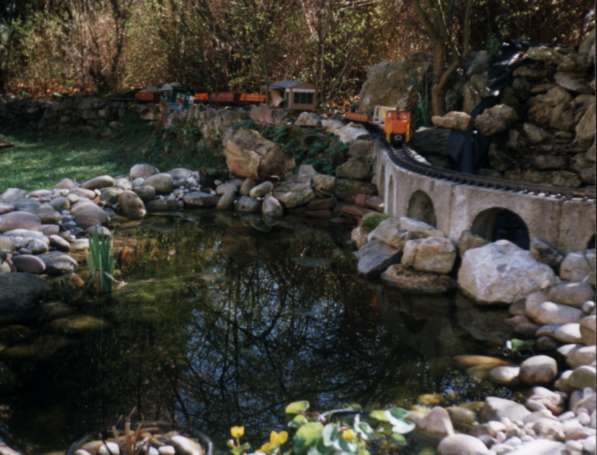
(223, 324)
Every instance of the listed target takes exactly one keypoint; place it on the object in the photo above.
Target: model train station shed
(293, 94)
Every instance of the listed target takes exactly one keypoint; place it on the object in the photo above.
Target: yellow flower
(278, 439)
(237, 432)
(348, 435)
(266, 447)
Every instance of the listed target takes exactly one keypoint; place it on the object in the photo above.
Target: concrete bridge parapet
(568, 224)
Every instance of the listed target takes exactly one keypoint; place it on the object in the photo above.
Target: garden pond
(223, 321)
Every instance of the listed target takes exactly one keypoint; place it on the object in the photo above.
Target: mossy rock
(77, 325)
(42, 347)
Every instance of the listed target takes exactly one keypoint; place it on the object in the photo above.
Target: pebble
(461, 444)
(167, 450)
(539, 369)
(109, 448)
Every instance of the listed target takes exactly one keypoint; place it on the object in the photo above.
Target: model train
(395, 123)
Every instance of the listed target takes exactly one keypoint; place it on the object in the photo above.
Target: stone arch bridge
(568, 223)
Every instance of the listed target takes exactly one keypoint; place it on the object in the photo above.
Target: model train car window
(303, 97)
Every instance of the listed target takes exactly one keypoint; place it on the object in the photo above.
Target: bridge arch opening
(420, 207)
(390, 196)
(498, 223)
(591, 243)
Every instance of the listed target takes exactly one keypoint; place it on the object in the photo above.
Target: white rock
(167, 450)
(186, 446)
(587, 329)
(552, 313)
(539, 369)
(576, 266)
(486, 270)
(504, 374)
(540, 447)
(461, 444)
(109, 448)
(431, 254)
(581, 355)
(568, 333)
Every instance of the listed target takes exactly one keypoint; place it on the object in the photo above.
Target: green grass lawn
(40, 160)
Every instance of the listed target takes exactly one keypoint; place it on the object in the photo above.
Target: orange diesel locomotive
(396, 124)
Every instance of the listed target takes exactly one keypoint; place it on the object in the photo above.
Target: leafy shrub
(372, 220)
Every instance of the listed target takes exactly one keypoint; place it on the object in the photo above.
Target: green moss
(372, 220)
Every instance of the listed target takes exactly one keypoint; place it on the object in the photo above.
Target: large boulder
(431, 254)
(375, 257)
(248, 154)
(394, 83)
(495, 119)
(501, 272)
(19, 295)
(162, 182)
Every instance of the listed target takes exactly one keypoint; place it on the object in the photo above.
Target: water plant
(339, 431)
(101, 263)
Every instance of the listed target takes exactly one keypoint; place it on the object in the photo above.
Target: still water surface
(225, 320)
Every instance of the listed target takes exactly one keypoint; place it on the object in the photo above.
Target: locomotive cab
(397, 127)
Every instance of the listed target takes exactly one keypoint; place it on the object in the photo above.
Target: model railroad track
(408, 159)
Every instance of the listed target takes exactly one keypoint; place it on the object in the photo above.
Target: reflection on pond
(224, 321)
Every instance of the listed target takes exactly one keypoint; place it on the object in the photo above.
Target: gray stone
(110, 194)
(354, 168)
(323, 184)
(145, 192)
(12, 195)
(544, 252)
(58, 263)
(29, 242)
(66, 184)
(162, 183)
(271, 207)
(19, 220)
(294, 192)
(261, 190)
(60, 203)
(579, 355)
(375, 257)
(29, 264)
(534, 134)
(87, 214)
(96, 183)
(539, 369)
(48, 214)
(576, 266)
(484, 271)
(226, 200)
(59, 243)
(5, 208)
(142, 170)
(248, 204)
(495, 119)
(131, 206)
(540, 447)
(198, 199)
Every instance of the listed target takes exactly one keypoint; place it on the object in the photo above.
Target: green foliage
(372, 220)
(339, 431)
(101, 263)
(323, 151)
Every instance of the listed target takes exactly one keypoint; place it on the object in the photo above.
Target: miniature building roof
(291, 84)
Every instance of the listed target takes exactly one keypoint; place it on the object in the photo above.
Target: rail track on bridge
(408, 159)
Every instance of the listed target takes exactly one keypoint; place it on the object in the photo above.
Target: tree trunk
(437, 90)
